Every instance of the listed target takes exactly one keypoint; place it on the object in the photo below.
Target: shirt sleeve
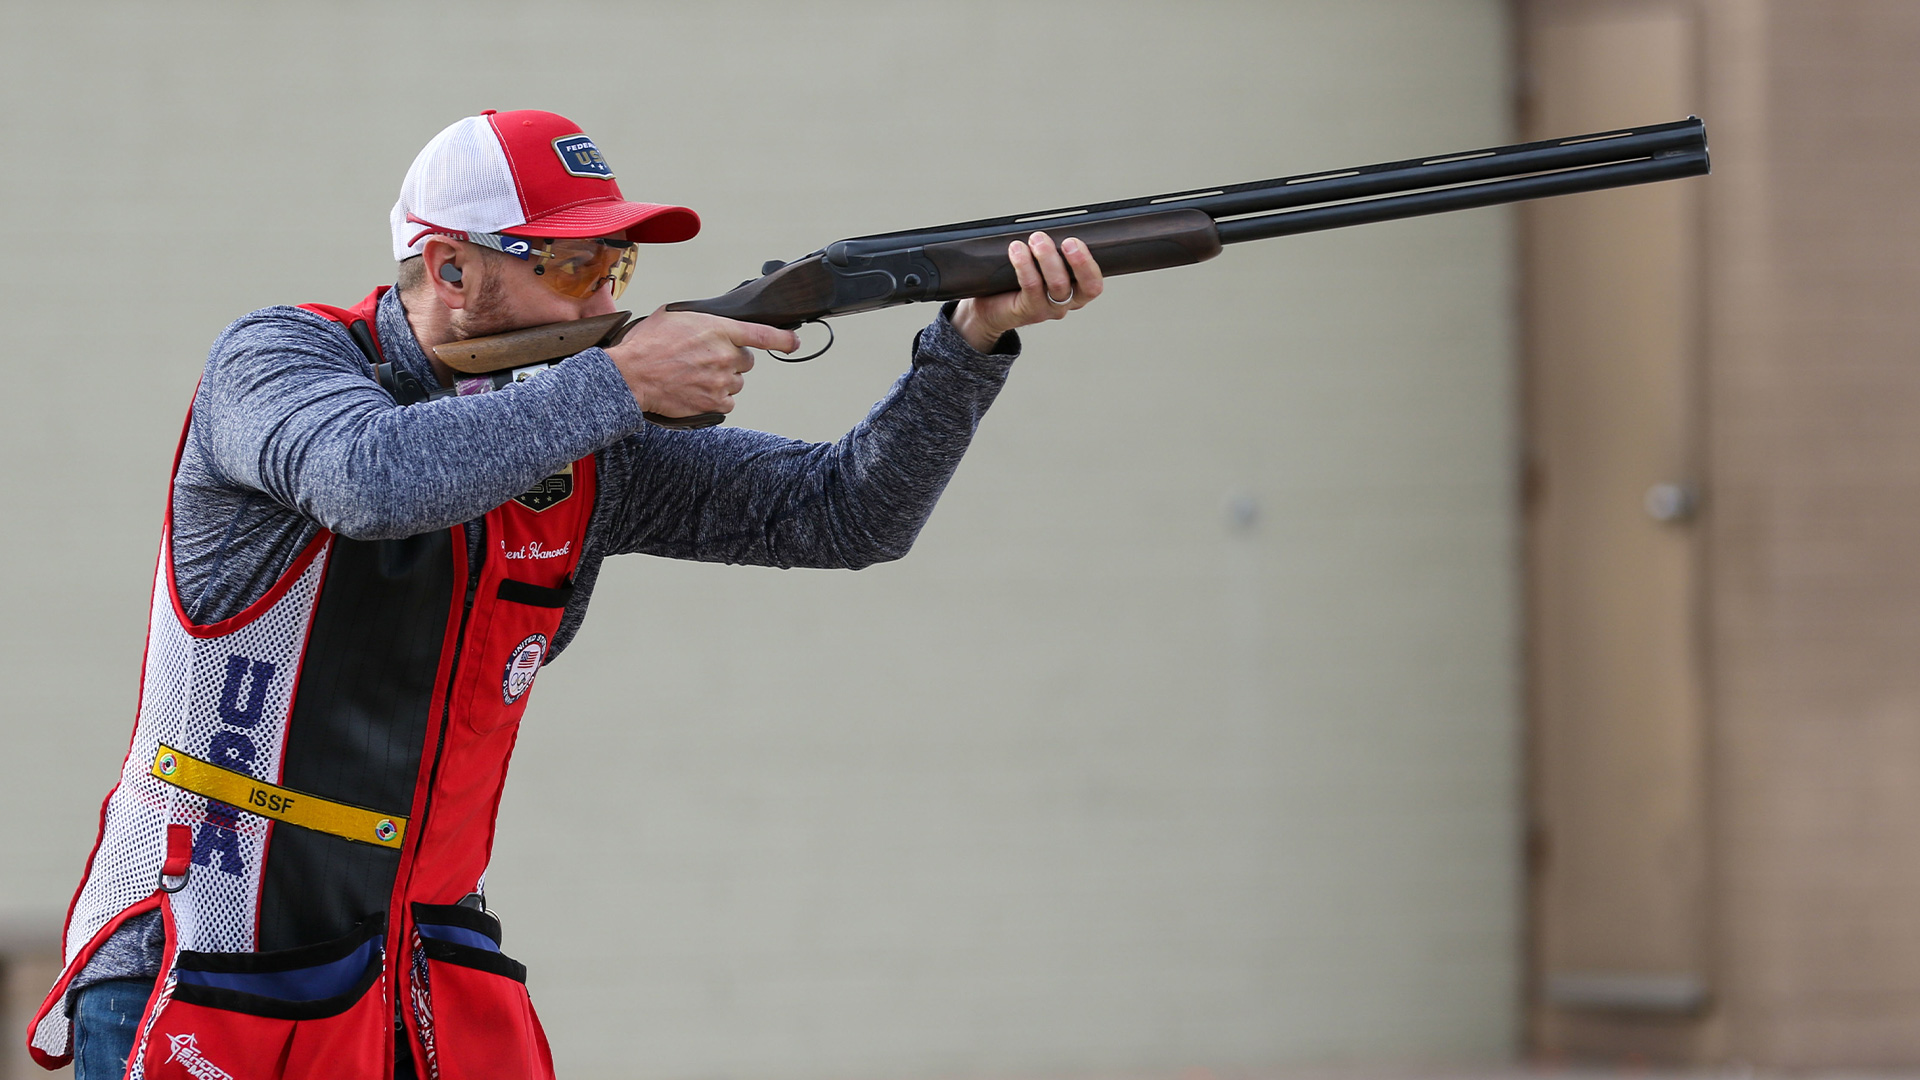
(288, 407)
(739, 496)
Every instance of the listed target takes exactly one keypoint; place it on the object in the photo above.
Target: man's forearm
(738, 496)
(282, 412)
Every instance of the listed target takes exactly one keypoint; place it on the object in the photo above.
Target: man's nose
(600, 303)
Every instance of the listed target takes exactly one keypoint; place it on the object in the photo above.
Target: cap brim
(643, 223)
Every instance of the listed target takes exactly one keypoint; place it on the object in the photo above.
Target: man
(360, 578)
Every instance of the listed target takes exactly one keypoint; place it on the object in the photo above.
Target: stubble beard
(485, 312)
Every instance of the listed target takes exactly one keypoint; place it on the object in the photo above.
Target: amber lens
(577, 267)
(622, 270)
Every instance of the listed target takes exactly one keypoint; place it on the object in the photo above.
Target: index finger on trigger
(770, 338)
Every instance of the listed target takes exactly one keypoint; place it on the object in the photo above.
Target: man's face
(511, 296)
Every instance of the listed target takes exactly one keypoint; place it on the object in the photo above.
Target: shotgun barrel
(1181, 228)
(1331, 200)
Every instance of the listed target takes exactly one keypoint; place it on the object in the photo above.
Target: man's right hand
(683, 363)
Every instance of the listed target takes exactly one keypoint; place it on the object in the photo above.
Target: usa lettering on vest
(242, 695)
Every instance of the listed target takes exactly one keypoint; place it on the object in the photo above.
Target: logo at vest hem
(522, 665)
(186, 1050)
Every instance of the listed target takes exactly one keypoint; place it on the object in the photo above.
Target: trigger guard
(803, 359)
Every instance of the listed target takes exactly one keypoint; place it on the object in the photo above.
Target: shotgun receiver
(951, 262)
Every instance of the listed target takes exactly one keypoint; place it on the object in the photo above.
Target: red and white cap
(523, 173)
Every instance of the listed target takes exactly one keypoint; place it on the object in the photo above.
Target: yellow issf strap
(278, 803)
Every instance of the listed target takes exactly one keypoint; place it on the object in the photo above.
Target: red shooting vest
(310, 795)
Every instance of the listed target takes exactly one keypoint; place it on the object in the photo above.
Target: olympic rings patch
(522, 665)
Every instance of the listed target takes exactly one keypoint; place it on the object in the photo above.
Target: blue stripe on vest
(316, 983)
(457, 935)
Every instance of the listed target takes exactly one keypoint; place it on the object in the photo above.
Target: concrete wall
(1186, 735)
(1816, 497)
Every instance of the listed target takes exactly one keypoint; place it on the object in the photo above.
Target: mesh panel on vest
(221, 699)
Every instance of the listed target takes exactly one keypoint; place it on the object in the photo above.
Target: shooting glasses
(577, 267)
(569, 266)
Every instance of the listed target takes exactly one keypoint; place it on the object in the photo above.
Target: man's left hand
(1042, 269)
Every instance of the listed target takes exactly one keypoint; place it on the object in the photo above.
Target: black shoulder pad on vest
(405, 389)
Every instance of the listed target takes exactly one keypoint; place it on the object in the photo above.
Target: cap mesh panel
(460, 180)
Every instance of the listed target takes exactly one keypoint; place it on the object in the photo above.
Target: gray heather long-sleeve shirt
(290, 434)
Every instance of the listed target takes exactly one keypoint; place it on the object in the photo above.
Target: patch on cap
(580, 157)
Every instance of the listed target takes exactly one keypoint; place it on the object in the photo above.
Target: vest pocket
(507, 648)
(471, 1009)
(311, 1013)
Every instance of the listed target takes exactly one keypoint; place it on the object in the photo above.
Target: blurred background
(1482, 642)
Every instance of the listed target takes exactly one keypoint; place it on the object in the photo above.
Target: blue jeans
(106, 1019)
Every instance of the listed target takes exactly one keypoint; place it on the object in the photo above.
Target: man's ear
(448, 266)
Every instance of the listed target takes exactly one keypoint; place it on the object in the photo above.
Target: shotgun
(969, 258)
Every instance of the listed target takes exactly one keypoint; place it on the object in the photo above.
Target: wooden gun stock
(518, 348)
(538, 344)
